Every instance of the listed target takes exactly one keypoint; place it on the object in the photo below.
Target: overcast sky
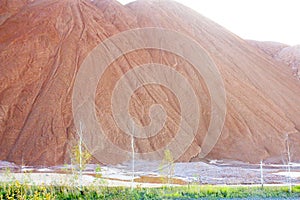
(264, 20)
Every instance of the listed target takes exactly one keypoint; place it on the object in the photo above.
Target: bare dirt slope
(44, 42)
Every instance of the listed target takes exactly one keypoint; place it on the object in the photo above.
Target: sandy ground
(214, 172)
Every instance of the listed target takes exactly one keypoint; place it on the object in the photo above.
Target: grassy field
(15, 190)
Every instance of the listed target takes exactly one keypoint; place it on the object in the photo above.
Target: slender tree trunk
(132, 148)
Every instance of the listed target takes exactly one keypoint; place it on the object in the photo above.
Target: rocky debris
(220, 173)
(270, 48)
(289, 55)
(43, 44)
(4, 166)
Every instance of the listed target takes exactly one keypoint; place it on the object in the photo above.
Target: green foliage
(8, 175)
(78, 156)
(16, 190)
(167, 167)
(98, 171)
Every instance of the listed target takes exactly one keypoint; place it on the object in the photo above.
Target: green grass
(15, 190)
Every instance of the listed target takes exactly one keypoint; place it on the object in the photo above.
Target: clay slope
(42, 47)
(258, 90)
(45, 42)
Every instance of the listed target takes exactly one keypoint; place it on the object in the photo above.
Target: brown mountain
(44, 43)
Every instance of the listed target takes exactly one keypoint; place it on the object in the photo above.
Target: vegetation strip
(16, 190)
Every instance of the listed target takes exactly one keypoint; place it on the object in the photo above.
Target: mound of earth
(44, 43)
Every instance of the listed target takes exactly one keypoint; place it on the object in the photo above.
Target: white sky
(263, 20)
